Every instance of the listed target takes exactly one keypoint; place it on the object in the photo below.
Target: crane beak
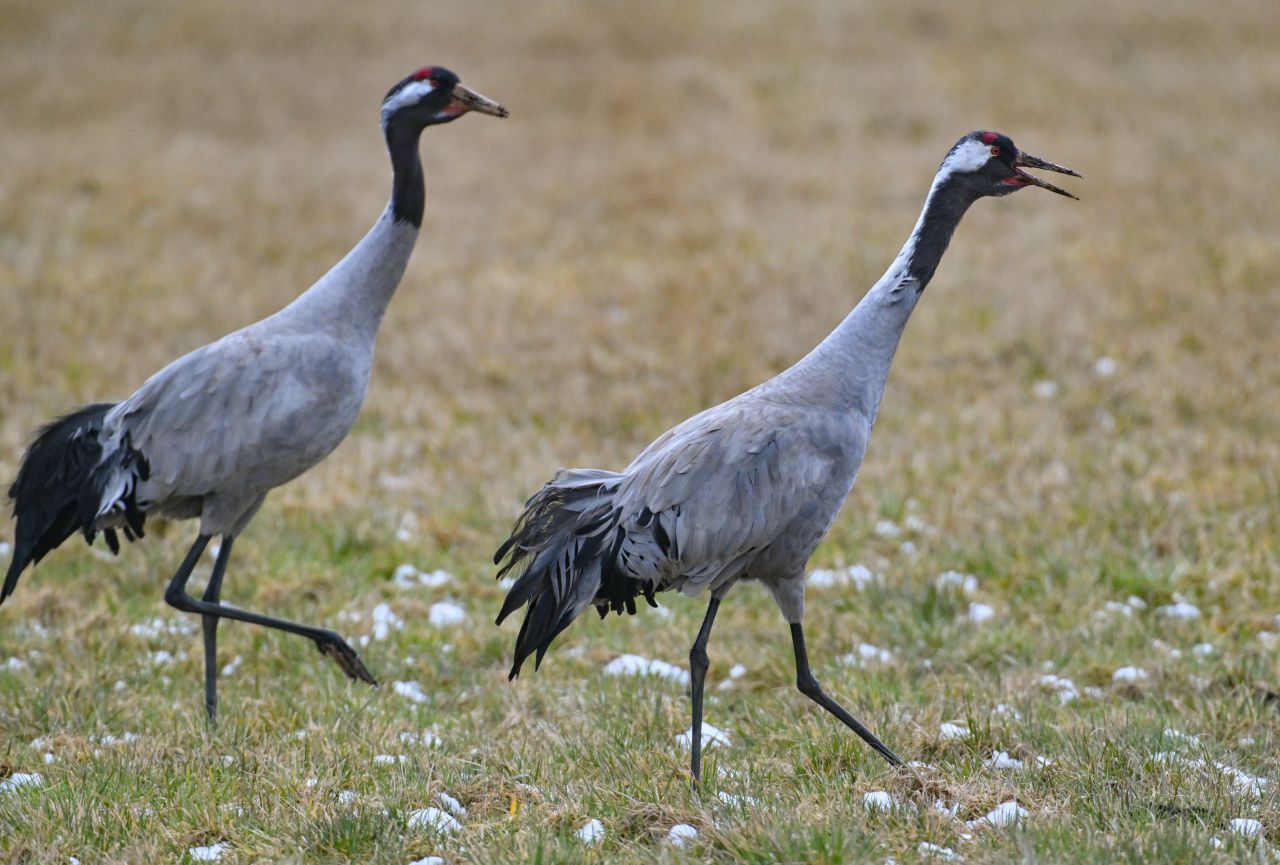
(465, 99)
(1021, 178)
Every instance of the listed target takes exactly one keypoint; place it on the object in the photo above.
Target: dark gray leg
(210, 625)
(698, 664)
(328, 642)
(809, 686)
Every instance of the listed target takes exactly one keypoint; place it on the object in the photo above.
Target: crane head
(432, 96)
(990, 164)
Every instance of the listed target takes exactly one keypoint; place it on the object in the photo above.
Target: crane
(747, 489)
(208, 436)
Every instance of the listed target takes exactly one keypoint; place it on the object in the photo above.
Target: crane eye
(995, 150)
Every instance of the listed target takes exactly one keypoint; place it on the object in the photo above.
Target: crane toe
(345, 657)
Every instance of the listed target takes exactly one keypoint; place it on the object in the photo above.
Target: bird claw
(345, 657)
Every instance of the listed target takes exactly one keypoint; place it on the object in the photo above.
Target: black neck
(946, 206)
(407, 193)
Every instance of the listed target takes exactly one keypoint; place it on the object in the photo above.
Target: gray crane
(747, 489)
(212, 433)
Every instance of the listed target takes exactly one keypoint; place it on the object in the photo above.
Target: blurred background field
(687, 197)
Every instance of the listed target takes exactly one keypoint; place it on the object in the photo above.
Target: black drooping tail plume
(60, 486)
(570, 537)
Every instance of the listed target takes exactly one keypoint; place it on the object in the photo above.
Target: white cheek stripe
(411, 93)
(969, 156)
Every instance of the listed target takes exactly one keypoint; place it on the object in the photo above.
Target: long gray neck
(352, 297)
(848, 369)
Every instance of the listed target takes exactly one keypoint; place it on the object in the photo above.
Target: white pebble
(710, 736)
(161, 658)
(866, 655)
(1181, 611)
(384, 622)
(1202, 650)
(444, 614)
(426, 739)
(956, 581)
(211, 853)
(5, 548)
(428, 860)
(737, 671)
(929, 850)
(433, 818)
(20, 779)
(453, 805)
(234, 665)
(979, 613)
(15, 664)
(410, 691)
(1002, 709)
(681, 834)
(877, 800)
(948, 731)
(1065, 687)
(1004, 814)
(1002, 760)
(1246, 827)
(346, 797)
(855, 576)
(887, 529)
(1045, 389)
(1104, 367)
(635, 665)
(1129, 675)
(389, 759)
(592, 832)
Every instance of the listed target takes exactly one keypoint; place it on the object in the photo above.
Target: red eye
(995, 150)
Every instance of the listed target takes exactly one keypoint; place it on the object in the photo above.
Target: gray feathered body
(742, 491)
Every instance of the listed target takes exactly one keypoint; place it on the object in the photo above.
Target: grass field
(686, 197)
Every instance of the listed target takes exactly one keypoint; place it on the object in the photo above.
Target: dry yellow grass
(686, 197)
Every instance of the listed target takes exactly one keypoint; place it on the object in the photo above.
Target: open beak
(1026, 160)
(465, 99)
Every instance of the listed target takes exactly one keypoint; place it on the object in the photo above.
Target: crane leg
(327, 641)
(209, 624)
(809, 686)
(698, 664)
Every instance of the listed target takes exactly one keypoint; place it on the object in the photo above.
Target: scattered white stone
(734, 800)
(1246, 828)
(635, 665)
(1002, 709)
(681, 834)
(592, 832)
(410, 691)
(228, 760)
(233, 665)
(710, 736)
(1215, 842)
(979, 613)
(856, 576)
(120, 685)
(426, 738)
(389, 759)
(1117, 607)
(1129, 675)
(1045, 389)
(948, 731)
(5, 548)
(1246, 741)
(1104, 367)
(406, 576)
(737, 671)
(946, 810)
(433, 818)
(1043, 762)
(913, 523)
(955, 581)
(929, 850)
(384, 622)
(866, 655)
(445, 614)
(877, 800)
(158, 627)
(1004, 814)
(907, 548)
(1180, 611)
(1202, 650)
(161, 658)
(1065, 687)
(451, 804)
(49, 758)
(887, 529)
(1002, 760)
(1181, 737)
(428, 860)
(211, 853)
(346, 797)
(15, 664)
(20, 779)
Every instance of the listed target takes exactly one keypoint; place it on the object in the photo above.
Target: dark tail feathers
(568, 538)
(59, 489)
